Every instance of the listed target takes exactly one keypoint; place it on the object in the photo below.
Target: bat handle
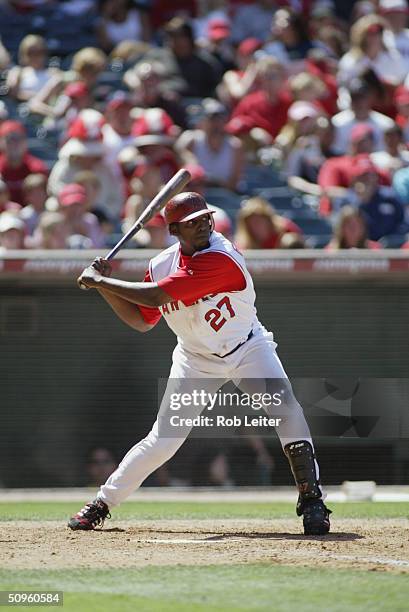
(120, 244)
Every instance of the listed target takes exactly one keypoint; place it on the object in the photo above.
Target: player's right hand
(102, 266)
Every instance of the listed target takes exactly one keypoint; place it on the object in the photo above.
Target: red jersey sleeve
(150, 314)
(204, 275)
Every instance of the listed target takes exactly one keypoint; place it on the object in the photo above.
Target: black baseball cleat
(91, 516)
(315, 517)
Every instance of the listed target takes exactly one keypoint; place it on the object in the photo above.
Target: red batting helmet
(185, 206)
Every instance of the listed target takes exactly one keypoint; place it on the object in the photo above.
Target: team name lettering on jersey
(167, 309)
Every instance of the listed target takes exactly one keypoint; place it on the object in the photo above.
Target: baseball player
(202, 288)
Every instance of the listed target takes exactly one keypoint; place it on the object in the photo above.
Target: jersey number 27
(215, 317)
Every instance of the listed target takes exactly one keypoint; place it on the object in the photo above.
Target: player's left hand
(90, 277)
(102, 266)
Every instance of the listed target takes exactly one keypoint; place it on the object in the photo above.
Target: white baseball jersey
(215, 323)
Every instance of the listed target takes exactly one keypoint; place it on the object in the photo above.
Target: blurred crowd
(292, 117)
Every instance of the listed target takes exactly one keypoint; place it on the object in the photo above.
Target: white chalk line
(297, 553)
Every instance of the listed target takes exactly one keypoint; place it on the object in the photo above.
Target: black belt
(236, 348)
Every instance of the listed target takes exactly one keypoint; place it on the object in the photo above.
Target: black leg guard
(310, 505)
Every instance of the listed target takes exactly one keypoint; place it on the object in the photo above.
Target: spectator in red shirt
(15, 161)
(267, 107)
(351, 232)
(5, 203)
(259, 226)
(402, 105)
(321, 65)
(242, 81)
(163, 10)
(336, 171)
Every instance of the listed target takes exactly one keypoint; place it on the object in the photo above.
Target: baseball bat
(168, 191)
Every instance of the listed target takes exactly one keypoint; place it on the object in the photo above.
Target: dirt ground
(377, 545)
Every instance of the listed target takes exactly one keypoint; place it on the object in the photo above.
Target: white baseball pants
(254, 360)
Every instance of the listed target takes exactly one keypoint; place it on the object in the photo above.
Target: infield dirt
(372, 544)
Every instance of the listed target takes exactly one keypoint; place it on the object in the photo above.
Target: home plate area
(372, 544)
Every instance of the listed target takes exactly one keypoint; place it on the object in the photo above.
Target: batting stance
(201, 286)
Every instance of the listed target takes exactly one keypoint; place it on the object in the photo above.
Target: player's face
(194, 235)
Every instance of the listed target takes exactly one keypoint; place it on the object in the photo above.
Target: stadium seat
(42, 149)
(260, 177)
(317, 242)
(394, 241)
(313, 227)
(229, 201)
(283, 199)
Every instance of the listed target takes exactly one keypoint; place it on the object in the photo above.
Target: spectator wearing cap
(362, 101)
(260, 227)
(351, 232)
(395, 13)
(117, 129)
(72, 200)
(336, 172)
(187, 69)
(368, 50)
(31, 74)
(302, 119)
(211, 12)
(239, 82)
(121, 20)
(146, 82)
(35, 197)
(396, 154)
(218, 44)
(15, 161)
(85, 150)
(219, 154)
(155, 136)
(267, 107)
(92, 185)
(75, 98)
(253, 20)
(12, 232)
(380, 207)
